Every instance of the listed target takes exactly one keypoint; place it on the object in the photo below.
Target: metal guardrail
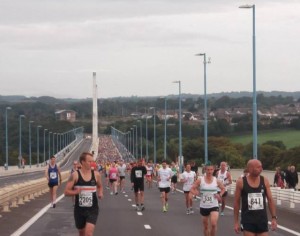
(18, 194)
(289, 196)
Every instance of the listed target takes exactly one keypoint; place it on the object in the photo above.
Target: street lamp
(136, 141)
(49, 145)
(205, 108)
(30, 122)
(154, 134)
(165, 140)
(180, 135)
(45, 145)
(6, 138)
(53, 142)
(141, 134)
(147, 153)
(133, 142)
(38, 145)
(254, 109)
(20, 140)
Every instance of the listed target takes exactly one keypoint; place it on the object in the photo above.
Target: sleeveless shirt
(253, 202)
(88, 195)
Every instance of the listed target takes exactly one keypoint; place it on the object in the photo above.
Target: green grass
(290, 138)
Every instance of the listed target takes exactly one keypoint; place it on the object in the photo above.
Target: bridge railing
(18, 194)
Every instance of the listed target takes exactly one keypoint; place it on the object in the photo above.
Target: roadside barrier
(18, 194)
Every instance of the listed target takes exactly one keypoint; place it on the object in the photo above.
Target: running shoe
(142, 207)
(54, 205)
(188, 211)
(116, 193)
(222, 213)
(111, 193)
(164, 209)
(137, 208)
(167, 206)
(191, 211)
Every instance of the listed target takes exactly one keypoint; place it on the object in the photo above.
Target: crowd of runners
(85, 185)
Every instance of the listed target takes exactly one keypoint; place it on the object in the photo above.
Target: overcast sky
(138, 47)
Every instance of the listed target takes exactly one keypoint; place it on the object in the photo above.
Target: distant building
(67, 115)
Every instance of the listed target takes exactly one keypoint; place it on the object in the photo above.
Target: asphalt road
(118, 217)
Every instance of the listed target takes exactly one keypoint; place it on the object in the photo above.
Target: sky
(139, 47)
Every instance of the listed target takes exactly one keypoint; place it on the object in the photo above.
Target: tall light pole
(133, 149)
(147, 153)
(254, 109)
(6, 138)
(53, 142)
(181, 161)
(49, 145)
(205, 109)
(141, 138)
(38, 145)
(30, 122)
(20, 139)
(165, 140)
(136, 141)
(154, 134)
(45, 145)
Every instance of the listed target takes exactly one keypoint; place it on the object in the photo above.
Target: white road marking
(147, 226)
(125, 195)
(38, 215)
(139, 213)
(129, 199)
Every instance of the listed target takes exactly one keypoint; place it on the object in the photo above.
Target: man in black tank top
(252, 190)
(86, 186)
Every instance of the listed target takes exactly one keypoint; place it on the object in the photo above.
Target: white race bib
(138, 174)
(207, 198)
(53, 175)
(85, 199)
(255, 201)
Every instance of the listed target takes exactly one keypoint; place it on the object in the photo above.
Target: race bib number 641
(255, 201)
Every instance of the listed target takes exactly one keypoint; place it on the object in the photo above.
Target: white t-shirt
(190, 178)
(122, 170)
(165, 177)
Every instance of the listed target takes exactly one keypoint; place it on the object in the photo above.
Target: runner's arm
(99, 185)
(271, 205)
(236, 205)
(69, 189)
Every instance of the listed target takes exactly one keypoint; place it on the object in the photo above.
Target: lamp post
(136, 141)
(38, 145)
(154, 134)
(20, 139)
(53, 142)
(30, 122)
(165, 139)
(6, 138)
(205, 109)
(147, 153)
(45, 144)
(133, 142)
(180, 134)
(49, 145)
(141, 138)
(254, 109)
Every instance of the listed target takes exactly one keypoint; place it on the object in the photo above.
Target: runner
(113, 176)
(122, 172)
(164, 176)
(175, 171)
(187, 178)
(253, 190)
(85, 185)
(137, 181)
(225, 177)
(149, 175)
(53, 176)
(209, 203)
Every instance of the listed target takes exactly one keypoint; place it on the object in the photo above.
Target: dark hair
(83, 156)
(52, 157)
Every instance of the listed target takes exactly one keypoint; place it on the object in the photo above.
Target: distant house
(67, 115)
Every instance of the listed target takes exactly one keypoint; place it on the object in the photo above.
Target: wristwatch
(274, 217)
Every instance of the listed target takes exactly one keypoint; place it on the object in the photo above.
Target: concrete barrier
(17, 194)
